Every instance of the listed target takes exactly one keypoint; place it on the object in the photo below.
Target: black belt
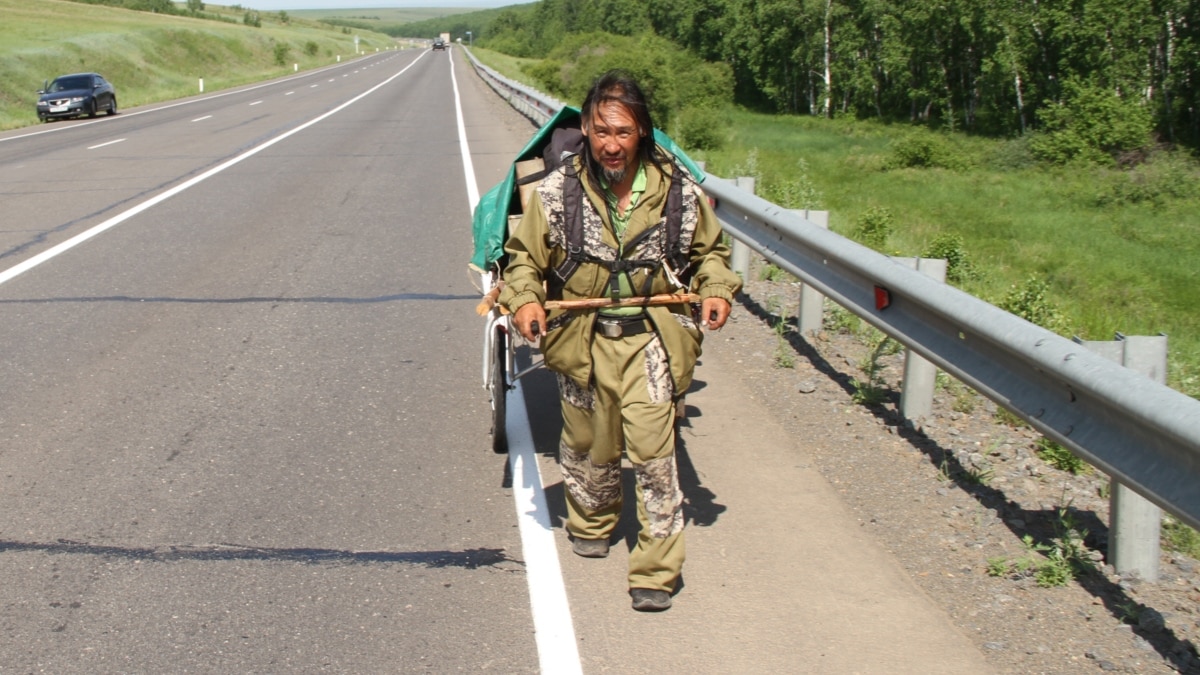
(612, 327)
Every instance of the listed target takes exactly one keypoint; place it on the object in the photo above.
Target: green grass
(511, 67)
(1127, 267)
(152, 57)
(1060, 458)
(1179, 537)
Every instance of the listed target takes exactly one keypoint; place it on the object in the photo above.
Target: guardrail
(1143, 434)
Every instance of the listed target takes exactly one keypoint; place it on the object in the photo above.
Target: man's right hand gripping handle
(529, 320)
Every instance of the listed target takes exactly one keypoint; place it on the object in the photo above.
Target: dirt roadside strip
(780, 575)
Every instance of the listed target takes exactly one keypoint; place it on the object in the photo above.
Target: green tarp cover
(490, 226)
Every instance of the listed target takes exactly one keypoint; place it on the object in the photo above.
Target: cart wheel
(499, 392)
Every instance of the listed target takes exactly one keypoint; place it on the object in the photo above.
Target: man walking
(623, 219)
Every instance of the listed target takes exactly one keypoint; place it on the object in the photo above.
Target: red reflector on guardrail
(883, 297)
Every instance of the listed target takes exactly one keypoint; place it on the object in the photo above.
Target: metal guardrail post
(920, 375)
(811, 315)
(739, 257)
(1135, 523)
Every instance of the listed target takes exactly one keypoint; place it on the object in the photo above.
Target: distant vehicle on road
(439, 43)
(76, 95)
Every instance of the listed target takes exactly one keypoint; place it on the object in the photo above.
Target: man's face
(613, 135)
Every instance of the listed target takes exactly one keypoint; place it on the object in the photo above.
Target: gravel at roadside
(956, 501)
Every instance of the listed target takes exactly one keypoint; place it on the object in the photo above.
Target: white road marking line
(201, 119)
(104, 144)
(289, 93)
(256, 103)
(463, 148)
(80, 238)
(553, 628)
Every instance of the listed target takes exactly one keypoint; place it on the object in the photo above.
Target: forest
(1104, 79)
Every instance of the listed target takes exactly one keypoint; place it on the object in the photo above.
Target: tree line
(1100, 78)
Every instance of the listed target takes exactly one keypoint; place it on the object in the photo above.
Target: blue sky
(272, 5)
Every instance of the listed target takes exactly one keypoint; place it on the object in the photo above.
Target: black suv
(75, 95)
(439, 43)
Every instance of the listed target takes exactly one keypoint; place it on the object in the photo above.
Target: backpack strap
(573, 219)
(676, 258)
(573, 197)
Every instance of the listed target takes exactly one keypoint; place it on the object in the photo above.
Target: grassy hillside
(1116, 249)
(381, 20)
(152, 57)
(1113, 250)
(423, 23)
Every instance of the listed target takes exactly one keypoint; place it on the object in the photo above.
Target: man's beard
(615, 176)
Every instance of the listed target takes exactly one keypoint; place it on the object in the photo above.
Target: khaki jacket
(538, 246)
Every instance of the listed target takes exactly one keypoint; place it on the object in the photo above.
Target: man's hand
(527, 315)
(714, 312)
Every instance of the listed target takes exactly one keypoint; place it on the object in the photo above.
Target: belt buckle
(610, 329)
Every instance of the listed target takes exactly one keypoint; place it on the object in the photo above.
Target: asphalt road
(242, 428)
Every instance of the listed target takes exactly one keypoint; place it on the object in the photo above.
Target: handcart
(498, 211)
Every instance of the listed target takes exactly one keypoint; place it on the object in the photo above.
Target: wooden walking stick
(641, 301)
(489, 301)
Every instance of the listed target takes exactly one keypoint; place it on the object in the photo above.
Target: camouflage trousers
(629, 407)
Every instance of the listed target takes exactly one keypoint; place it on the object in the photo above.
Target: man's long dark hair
(617, 86)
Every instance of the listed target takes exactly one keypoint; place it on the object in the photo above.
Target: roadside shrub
(922, 149)
(951, 248)
(1164, 177)
(700, 128)
(1052, 564)
(748, 167)
(1012, 155)
(311, 48)
(874, 227)
(1030, 301)
(1091, 124)
(672, 78)
(798, 192)
(282, 49)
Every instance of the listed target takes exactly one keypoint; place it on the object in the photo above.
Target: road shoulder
(780, 575)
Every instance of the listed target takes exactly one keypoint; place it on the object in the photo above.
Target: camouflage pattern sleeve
(528, 250)
(710, 258)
